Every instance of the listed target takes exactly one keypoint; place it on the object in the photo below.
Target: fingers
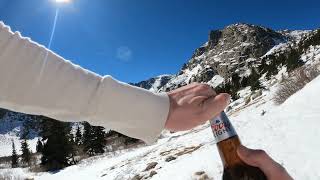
(215, 104)
(256, 158)
(205, 90)
(261, 159)
(198, 100)
(193, 90)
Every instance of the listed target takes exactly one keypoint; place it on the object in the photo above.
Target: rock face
(151, 166)
(234, 47)
(233, 50)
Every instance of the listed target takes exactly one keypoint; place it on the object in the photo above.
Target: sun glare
(63, 1)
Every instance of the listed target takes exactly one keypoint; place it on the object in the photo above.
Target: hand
(260, 159)
(193, 105)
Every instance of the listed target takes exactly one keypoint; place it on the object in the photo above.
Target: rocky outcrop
(234, 47)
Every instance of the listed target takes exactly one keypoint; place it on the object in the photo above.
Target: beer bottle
(227, 142)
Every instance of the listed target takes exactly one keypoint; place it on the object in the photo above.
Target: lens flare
(63, 1)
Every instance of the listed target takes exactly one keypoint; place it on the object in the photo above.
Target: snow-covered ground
(11, 128)
(6, 144)
(288, 133)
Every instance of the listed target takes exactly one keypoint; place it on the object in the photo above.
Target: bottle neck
(227, 140)
(222, 128)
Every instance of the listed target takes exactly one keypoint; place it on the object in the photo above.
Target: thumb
(260, 159)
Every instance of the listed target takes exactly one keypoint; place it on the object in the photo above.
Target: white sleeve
(35, 80)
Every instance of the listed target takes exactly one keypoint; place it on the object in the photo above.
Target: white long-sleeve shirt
(35, 80)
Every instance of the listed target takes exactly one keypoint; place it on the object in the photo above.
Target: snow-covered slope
(11, 129)
(288, 133)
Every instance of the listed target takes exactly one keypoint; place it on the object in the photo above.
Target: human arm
(35, 80)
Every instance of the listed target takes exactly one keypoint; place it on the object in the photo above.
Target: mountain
(12, 127)
(233, 50)
(154, 84)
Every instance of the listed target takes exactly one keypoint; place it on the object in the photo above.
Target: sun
(62, 1)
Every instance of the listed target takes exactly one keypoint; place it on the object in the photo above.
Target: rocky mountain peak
(235, 51)
(234, 47)
(252, 40)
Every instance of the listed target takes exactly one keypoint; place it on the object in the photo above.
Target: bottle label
(221, 127)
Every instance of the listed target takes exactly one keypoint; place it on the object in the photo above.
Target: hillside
(286, 132)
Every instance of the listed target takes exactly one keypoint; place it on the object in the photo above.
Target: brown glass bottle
(227, 144)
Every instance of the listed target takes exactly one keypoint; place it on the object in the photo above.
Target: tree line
(59, 146)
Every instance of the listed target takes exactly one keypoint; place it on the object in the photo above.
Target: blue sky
(133, 40)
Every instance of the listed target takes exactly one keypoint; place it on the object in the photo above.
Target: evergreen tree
(293, 60)
(254, 80)
(244, 81)
(58, 149)
(235, 79)
(263, 66)
(14, 156)
(99, 140)
(78, 138)
(39, 146)
(26, 154)
(268, 75)
(87, 136)
(25, 130)
(93, 139)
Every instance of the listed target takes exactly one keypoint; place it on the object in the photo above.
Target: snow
(14, 174)
(299, 34)
(193, 71)
(6, 144)
(312, 55)
(246, 44)
(287, 132)
(11, 128)
(216, 81)
(277, 48)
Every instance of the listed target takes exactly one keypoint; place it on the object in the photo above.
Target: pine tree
(58, 149)
(93, 139)
(244, 81)
(78, 138)
(99, 140)
(26, 154)
(87, 136)
(14, 156)
(235, 78)
(293, 60)
(39, 146)
(254, 80)
(268, 75)
(263, 66)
